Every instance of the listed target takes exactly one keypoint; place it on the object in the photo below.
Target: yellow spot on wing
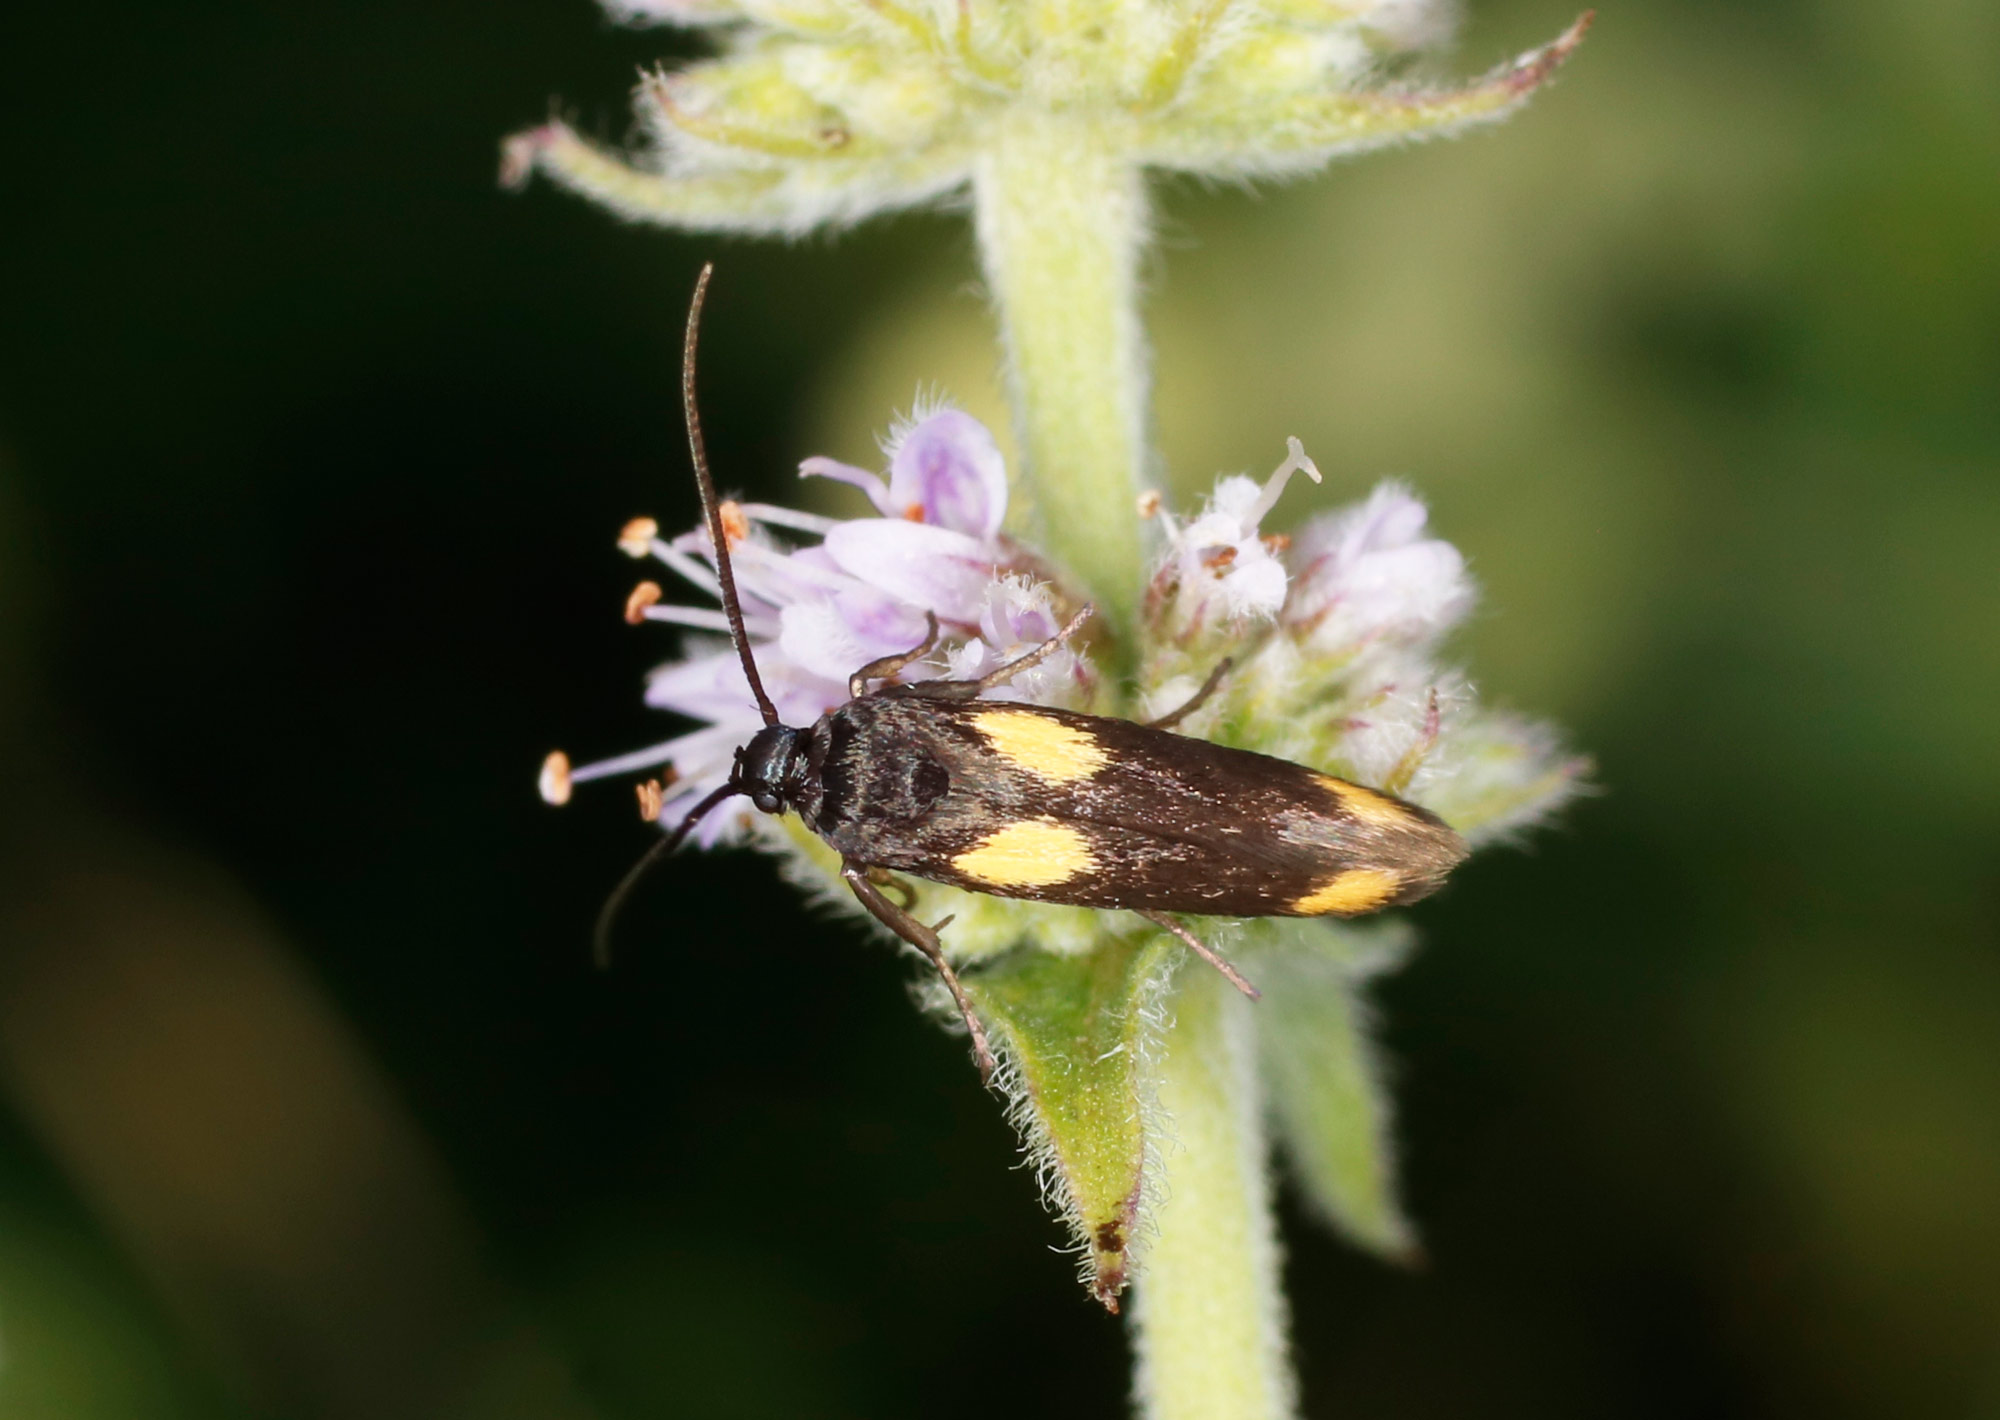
(1356, 890)
(1042, 744)
(1366, 804)
(1034, 852)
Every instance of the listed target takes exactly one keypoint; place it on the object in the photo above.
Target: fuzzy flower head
(1221, 571)
(1328, 641)
(1333, 633)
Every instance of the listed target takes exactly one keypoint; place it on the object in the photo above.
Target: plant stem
(1061, 220)
(1209, 1317)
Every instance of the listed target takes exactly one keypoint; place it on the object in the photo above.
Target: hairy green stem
(1209, 1319)
(1061, 220)
(1061, 223)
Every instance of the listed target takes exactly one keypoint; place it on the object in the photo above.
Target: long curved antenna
(711, 506)
(607, 915)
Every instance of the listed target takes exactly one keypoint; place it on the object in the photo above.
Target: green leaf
(1247, 115)
(1078, 1039)
(1328, 1101)
(788, 198)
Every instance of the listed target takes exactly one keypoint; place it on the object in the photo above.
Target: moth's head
(768, 769)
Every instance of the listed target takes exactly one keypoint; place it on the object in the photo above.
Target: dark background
(312, 448)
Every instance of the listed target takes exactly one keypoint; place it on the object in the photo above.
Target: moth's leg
(1201, 949)
(883, 878)
(925, 940)
(1000, 675)
(857, 684)
(1197, 700)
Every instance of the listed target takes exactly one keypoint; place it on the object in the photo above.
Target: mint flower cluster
(1331, 635)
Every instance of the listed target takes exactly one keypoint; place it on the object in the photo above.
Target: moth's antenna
(711, 506)
(607, 916)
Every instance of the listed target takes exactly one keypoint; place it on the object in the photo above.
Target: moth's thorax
(866, 765)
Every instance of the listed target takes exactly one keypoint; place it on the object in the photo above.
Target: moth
(929, 779)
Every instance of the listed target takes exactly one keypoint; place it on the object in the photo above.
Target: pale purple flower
(944, 470)
(814, 614)
(1368, 572)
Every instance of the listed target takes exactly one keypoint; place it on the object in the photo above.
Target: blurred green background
(312, 449)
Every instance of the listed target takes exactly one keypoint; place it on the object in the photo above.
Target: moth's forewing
(1026, 801)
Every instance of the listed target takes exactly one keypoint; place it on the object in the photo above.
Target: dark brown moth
(1026, 801)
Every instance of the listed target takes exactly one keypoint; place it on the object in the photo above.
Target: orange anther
(635, 539)
(643, 596)
(554, 781)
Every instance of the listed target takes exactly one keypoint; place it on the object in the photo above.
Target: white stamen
(790, 518)
(709, 743)
(626, 763)
(1274, 487)
(690, 568)
(750, 559)
(705, 619)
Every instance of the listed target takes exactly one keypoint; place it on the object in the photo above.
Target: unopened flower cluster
(1332, 635)
(820, 112)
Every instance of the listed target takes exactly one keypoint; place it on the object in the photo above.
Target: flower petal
(1255, 587)
(869, 483)
(714, 688)
(709, 687)
(1018, 615)
(926, 566)
(1370, 571)
(947, 470)
(837, 636)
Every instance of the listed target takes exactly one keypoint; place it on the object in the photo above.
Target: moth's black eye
(765, 764)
